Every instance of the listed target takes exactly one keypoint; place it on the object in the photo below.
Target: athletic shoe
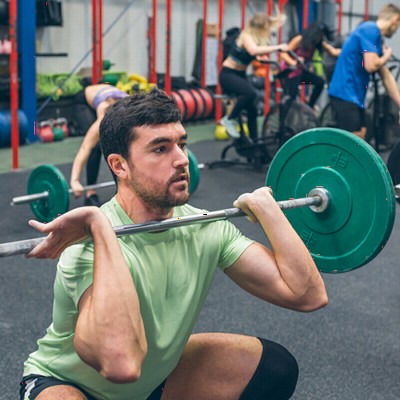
(92, 200)
(230, 126)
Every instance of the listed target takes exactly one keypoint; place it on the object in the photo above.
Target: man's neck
(138, 211)
(382, 25)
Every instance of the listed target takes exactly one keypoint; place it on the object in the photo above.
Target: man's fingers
(39, 226)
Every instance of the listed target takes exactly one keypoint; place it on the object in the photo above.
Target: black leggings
(235, 83)
(308, 78)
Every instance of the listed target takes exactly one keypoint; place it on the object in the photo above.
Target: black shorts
(33, 385)
(349, 116)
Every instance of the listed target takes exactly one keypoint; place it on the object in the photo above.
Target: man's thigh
(214, 366)
(348, 116)
(44, 388)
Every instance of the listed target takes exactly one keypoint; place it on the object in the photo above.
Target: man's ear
(119, 165)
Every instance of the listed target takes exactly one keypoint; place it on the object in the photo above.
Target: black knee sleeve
(276, 375)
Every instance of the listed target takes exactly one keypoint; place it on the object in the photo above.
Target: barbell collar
(25, 246)
(397, 191)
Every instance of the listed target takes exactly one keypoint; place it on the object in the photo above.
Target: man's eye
(160, 149)
(183, 146)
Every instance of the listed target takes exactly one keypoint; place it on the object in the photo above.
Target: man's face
(159, 165)
(393, 26)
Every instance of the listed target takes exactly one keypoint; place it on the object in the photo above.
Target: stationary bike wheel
(271, 134)
(327, 117)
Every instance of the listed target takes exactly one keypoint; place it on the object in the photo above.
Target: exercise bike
(287, 118)
(251, 152)
(281, 123)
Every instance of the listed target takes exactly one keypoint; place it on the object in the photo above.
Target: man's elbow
(121, 372)
(115, 365)
(314, 304)
(372, 67)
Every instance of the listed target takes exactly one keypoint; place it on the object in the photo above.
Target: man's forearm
(293, 259)
(110, 333)
(391, 86)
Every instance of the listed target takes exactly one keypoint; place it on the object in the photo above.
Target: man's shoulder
(367, 28)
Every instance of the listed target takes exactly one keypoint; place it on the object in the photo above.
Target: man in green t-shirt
(124, 308)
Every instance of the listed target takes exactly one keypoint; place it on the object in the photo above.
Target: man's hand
(387, 52)
(69, 228)
(249, 201)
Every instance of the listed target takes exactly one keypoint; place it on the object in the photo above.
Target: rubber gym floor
(349, 350)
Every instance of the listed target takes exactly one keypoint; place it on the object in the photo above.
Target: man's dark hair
(117, 128)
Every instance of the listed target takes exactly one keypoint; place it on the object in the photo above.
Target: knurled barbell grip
(25, 246)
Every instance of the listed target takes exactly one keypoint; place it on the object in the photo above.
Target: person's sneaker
(230, 126)
(92, 200)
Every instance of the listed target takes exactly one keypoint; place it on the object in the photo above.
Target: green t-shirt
(172, 271)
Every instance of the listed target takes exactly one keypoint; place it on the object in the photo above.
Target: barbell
(334, 189)
(48, 192)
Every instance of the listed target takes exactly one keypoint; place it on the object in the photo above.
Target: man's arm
(373, 63)
(286, 276)
(390, 85)
(109, 334)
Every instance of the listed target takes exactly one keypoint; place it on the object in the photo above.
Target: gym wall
(126, 43)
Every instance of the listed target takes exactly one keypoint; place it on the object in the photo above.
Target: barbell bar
(48, 191)
(319, 199)
(334, 189)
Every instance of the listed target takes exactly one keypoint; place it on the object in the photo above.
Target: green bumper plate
(193, 171)
(359, 219)
(47, 178)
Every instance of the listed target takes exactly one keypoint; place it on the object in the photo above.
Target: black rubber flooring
(349, 350)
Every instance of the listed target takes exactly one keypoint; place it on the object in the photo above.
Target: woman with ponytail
(254, 42)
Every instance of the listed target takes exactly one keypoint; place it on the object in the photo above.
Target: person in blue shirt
(361, 55)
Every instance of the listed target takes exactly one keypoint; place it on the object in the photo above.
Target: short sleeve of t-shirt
(235, 244)
(370, 38)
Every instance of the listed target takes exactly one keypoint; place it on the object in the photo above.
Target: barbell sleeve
(29, 198)
(25, 246)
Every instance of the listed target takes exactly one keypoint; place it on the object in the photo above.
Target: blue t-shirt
(350, 79)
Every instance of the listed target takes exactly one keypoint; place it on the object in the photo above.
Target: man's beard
(156, 197)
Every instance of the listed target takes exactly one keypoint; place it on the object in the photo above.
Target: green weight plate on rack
(48, 178)
(194, 172)
(359, 219)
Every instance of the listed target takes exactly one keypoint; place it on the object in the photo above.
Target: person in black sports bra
(252, 43)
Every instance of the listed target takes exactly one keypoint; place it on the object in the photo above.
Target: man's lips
(180, 178)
